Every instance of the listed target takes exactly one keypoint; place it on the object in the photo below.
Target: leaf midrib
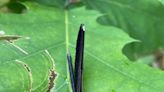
(66, 31)
(66, 21)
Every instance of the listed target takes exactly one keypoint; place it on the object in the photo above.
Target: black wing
(79, 59)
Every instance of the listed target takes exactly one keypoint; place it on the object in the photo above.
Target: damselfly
(76, 76)
(9, 38)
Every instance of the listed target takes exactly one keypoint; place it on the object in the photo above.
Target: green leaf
(37, 57)
(25, 64)
(141, 19)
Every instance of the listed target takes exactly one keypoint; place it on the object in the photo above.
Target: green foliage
(48, 32)
(141, 19)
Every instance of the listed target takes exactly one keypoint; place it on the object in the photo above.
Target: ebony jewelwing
(76, 75)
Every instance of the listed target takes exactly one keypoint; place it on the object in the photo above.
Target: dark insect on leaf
(77, 76)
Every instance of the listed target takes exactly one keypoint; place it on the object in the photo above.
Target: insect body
(9, 38)
(76, 76)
